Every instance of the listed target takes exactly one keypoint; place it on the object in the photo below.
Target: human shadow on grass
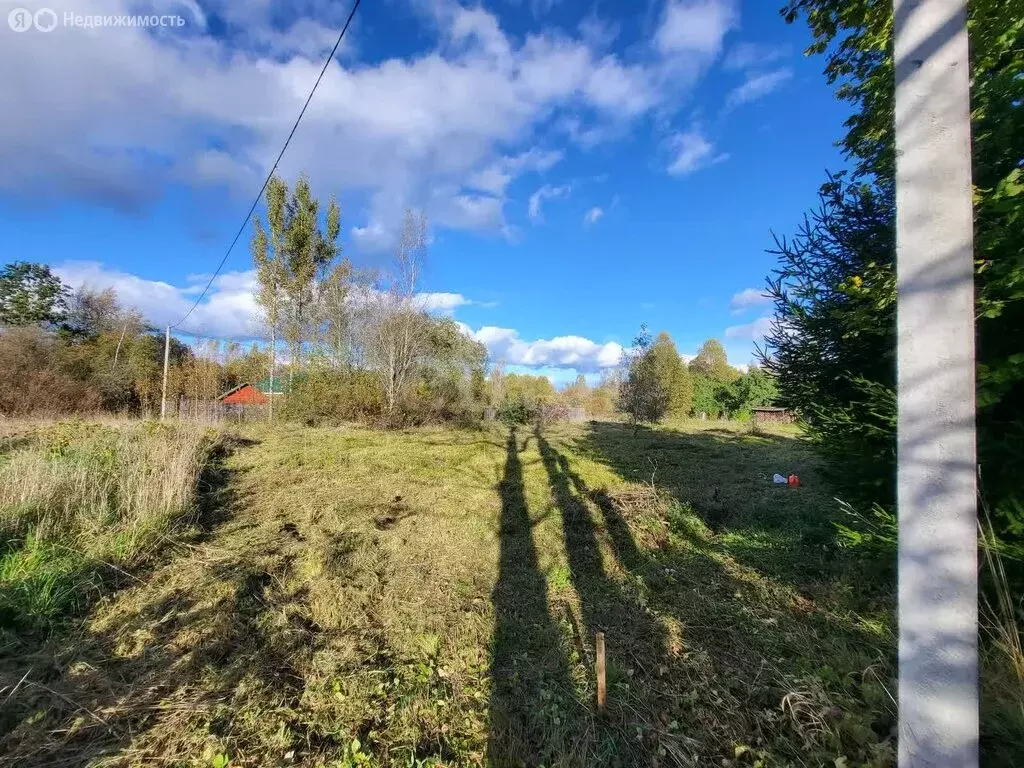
(638, 726)
(786, 533)
(533, 711)
(739, 620)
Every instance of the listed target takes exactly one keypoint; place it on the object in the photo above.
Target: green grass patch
(431, 597)
(41, 582)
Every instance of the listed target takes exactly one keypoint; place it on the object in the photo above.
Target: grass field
(431, 597)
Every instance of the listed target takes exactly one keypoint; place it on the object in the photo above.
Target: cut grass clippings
(431, 597)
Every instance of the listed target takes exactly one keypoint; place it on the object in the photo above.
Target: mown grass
(431, 597)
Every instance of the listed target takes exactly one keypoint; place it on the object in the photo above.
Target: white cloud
(757, 86)
(591, 216)
(747, 298)
(460, 210)
(496, 177)
(155, 108)
(587, 136)
(692, 152)
(624, 90)
(442, 302)
(754, 331)
(597, 32)
(540, 7)
(695, 26)
(560, 352)
(227, 311)
(373, 237)
(547, 192)
(747, 55)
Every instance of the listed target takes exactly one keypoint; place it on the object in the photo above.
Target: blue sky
(586, 167)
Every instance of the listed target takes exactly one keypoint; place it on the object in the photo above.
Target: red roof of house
(244, 394)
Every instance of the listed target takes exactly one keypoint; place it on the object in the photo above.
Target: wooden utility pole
(937, 501)
(167, 358)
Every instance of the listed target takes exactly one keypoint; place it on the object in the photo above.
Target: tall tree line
(656, 383)
(68, 350)
(359, 342)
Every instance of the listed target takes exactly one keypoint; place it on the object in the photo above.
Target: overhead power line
(270, 175)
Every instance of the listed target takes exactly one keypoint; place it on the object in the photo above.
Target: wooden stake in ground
(601, 685)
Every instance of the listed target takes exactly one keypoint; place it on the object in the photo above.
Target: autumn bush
(36, 374)
(331, 397)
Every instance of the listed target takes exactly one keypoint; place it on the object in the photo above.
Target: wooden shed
(244, 394)
(771, 415)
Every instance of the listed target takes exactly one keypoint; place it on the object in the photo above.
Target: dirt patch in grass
(431, 597)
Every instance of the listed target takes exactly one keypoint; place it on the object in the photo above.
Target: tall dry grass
(1002, 654)
(78, 499)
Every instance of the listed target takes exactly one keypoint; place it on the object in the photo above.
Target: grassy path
(431, 598)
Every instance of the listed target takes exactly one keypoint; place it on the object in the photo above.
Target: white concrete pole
(167, 357)
(938, 577)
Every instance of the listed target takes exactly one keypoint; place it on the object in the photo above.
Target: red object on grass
(793, 481)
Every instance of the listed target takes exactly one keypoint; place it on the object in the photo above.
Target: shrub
(516, 410)
(440, 396)
(330, 397)
(557, 411)
(34, 376)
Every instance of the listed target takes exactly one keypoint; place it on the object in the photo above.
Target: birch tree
(291, 263)
(399, 326)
